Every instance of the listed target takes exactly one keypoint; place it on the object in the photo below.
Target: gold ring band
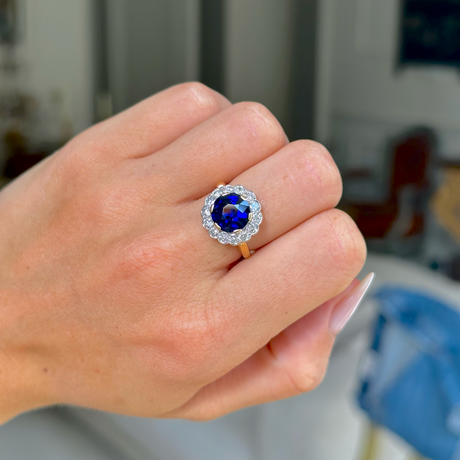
(245, 252)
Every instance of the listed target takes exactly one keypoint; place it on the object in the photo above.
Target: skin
(113, 296)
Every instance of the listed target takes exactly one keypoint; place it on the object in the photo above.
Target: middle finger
(219, 149)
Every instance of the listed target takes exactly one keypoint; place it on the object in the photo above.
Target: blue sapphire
(231, 212)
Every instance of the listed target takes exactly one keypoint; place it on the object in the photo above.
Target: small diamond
(239, 189)
(256, 218)
(255, 206)
(206, 212)
(233, 240)
(228, 189)
(223, 238)
(249, 196)
(252, 228)
(213, 197)
(245, 236)
(214, 232)
(208, 224)
(238, 237)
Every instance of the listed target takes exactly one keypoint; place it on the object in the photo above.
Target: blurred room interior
(376, 81)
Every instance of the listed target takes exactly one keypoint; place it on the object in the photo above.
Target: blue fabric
(411, 383)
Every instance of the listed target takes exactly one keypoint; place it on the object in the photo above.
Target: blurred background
(376, 81)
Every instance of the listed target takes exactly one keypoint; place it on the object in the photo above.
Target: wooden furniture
(402, 213)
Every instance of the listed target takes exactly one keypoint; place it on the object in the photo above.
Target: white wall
(152, 45)
(55, 54)
(362, 95)
(366, 83)
(258, 52)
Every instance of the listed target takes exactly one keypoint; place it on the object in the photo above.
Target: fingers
(293, 362)
(153, 123)
(294, 184)
(287, 279)
(217, 150)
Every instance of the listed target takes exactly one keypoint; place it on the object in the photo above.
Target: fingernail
(345, 309)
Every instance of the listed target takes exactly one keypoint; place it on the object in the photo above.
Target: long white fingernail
(345, 309)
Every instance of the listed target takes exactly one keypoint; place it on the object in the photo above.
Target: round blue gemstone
(231, 212)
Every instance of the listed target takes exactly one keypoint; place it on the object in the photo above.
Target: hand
(113, 296)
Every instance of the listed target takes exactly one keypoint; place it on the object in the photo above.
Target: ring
(232, 215)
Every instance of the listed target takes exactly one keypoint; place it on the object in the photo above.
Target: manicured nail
(344, 310)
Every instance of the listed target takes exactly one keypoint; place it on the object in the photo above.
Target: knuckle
(104, 206)
(205, 414)
(260, 122)
(82, 158)
(303, 381)
(191, 345)
(153, 258)
(312, 158)
(113, 206)
(72, 163)
(346, 244)
(200, 96)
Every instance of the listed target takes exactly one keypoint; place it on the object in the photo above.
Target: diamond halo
(245, 197)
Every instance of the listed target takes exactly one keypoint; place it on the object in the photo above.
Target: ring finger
(294, 184)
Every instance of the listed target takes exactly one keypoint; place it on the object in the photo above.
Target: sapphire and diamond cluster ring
(232, 215)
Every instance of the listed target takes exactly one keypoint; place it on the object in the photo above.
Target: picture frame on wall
(429, 33)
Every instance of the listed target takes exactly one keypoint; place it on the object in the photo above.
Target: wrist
(13, 397)
(22, 387)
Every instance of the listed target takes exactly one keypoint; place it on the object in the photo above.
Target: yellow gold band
(245, 252)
